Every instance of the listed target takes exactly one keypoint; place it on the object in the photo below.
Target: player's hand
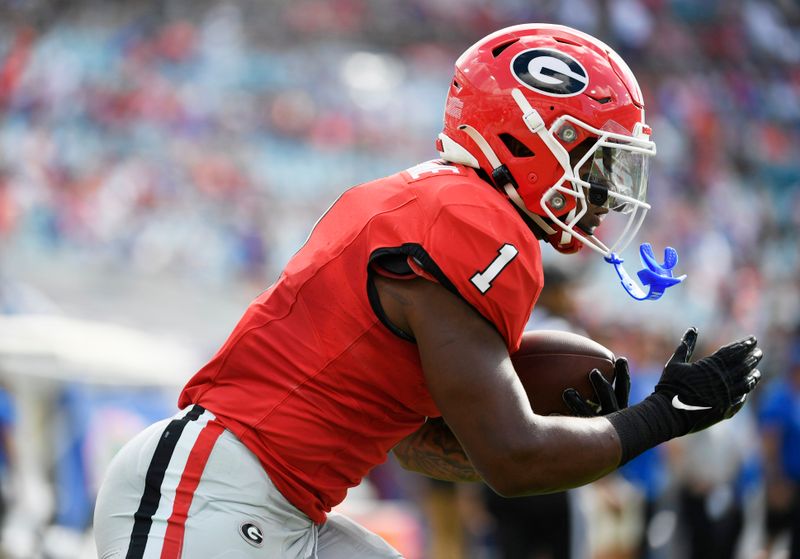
(610, 397)
(713, 388)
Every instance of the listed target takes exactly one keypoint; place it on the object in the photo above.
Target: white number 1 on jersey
(483, 280)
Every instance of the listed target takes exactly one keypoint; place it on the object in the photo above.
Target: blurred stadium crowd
(194, 144)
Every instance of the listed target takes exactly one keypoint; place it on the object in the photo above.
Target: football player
(391, 329)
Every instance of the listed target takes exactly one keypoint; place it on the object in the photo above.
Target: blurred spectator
(614, 517)
(708, 468)
(780, 431)
(647, 473)
(7, 451)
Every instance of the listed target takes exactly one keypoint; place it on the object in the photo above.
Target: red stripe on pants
(190, 479)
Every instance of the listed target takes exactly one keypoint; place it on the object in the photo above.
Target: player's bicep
(469, 375)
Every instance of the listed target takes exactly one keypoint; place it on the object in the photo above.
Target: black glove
(610, 397)
(713, 388)
(690, 396)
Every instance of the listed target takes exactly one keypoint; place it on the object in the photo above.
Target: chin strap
(658, 276)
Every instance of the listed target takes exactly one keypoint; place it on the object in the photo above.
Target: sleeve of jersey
(492, 262)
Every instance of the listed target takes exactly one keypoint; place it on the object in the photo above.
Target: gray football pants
(187, 488)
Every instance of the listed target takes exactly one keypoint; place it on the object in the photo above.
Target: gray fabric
(235, 497)
(341, 538)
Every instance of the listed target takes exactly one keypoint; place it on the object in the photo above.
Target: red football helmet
(521, 102)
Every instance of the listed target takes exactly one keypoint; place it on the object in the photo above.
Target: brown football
(549, 361)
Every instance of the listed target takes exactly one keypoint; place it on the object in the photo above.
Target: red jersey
(314, 380)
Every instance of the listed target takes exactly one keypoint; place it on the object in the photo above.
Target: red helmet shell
(560, 71)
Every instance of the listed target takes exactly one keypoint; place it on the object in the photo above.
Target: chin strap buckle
(659, 277)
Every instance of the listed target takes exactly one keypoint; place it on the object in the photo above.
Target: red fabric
(190, 479)
(13, 67)
(310, 379)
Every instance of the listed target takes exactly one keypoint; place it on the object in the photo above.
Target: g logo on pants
(252, 534)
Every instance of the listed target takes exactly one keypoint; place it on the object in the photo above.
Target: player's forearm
(555, 454)
(434, 451)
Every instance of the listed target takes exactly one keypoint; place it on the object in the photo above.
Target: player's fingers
(604, 392)
(753, 379)
(747, 384)
(622, 382)
(576, 404)
(746, 364)
(735, 350)
(685, 349)
(753, 359)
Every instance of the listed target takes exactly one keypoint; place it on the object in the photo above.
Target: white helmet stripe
(482, 144)
(537, 219)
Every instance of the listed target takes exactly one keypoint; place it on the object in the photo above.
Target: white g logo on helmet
(550, 72)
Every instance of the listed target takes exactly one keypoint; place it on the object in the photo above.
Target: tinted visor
(622, 172)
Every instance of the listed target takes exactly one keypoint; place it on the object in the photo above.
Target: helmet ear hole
(515, 146)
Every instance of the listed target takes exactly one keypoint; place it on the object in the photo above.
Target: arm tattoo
(434, 451)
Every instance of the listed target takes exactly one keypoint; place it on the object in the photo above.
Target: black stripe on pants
(143, 518)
